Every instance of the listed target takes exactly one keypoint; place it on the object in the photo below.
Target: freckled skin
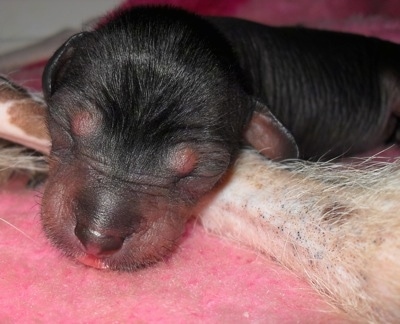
(343, 239)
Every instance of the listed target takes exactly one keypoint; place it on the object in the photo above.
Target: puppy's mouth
(126, 260)
(138, 251)
(93, 262)
(131, 257)
(114, 248)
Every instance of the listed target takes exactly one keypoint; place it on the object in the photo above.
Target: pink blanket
(208, 279)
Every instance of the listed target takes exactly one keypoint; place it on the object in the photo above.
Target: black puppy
(147, 113)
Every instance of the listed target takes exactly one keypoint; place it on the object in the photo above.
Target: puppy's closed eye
(183, 160)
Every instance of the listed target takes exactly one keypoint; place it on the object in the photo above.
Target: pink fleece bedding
(208, 279)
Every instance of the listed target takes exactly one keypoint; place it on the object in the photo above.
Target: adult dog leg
(335, 225)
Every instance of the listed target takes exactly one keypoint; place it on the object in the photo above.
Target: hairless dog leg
(336, 226)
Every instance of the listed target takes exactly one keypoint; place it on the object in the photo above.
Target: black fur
(156, 81)
(334, 91)
(162, 86)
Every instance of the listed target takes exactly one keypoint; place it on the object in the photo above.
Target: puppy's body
(336, 93)
(147, 113)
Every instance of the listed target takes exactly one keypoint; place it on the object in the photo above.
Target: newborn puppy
(148, 112)
(146, 115)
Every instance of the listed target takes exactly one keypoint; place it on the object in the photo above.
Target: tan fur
(334, 225)
(22, 126)
(18, 159)
(22, 117)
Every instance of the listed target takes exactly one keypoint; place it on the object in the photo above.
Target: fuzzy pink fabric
(208, 279)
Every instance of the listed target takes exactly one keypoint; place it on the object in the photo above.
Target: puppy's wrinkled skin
(147, 113)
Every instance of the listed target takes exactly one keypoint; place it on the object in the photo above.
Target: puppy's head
(145, 115)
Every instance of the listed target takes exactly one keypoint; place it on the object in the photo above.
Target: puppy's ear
(268, 136)
(56, 65)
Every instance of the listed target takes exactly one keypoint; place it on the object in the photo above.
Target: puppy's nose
(96, 243)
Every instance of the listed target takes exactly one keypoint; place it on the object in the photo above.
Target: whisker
(17, 229)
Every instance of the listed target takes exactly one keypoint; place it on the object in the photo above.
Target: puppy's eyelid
(84, 123)
(183, 161)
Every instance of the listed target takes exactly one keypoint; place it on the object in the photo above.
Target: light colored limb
(22, 117)
(335, 226)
